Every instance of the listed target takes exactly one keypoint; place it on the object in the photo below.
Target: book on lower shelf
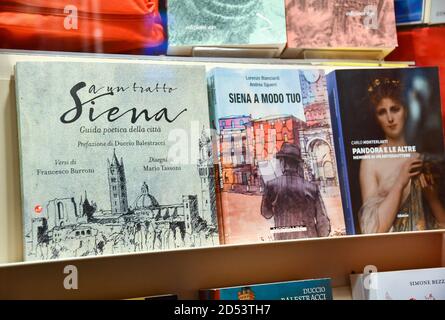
(316, 289)
(420, 284)
(102, 149)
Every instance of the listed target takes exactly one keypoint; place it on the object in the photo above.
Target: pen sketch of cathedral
(70, 227)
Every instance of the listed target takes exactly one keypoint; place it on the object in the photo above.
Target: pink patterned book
(341, 28)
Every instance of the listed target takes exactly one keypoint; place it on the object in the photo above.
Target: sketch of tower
(117, 185)
(207, 175)
(191, 214)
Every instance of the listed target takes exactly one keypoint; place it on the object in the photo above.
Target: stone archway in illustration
(322, 162)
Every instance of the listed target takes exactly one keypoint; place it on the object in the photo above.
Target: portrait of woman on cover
(398, 193)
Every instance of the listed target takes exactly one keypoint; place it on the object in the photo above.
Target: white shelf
(184, 272)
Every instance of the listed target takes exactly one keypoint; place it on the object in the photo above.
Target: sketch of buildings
(117, 183)
(73, 228)
(246, 144)
(207, 175)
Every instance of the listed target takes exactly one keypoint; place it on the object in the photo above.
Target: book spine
(214, 136)
(340, 152)
(427, 11)
(19, 124)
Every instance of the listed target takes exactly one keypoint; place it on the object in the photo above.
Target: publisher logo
(38, 209)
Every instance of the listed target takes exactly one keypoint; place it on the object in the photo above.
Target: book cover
(390, 144)
(345, 24)
(226, 23)
(409, 11)
(115, 158)
(277, 168)
(317, 289)
(437, 14)
(419, 284)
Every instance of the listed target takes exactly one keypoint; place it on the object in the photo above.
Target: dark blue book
(409, 11)
(390, 152)
(339, 151)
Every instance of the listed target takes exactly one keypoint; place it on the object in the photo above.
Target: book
(157, 297)
(436, 13)
(410, 11)
(226, 28)
(273, 138)
(316, 289)
(133, 27)
(114, 158)
(389, 142)
(362, 29)
(418, 284)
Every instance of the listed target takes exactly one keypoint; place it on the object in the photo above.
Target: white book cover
(419, 284)
(115, 158)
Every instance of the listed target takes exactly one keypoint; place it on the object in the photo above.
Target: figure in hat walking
(294, 203)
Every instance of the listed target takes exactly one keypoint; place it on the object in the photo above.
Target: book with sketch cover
(250, 25)
(104, 149)
(277, 176)
(340, 28)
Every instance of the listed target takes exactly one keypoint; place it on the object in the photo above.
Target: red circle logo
(38, 208)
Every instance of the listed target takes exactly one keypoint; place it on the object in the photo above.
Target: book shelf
(184, 272)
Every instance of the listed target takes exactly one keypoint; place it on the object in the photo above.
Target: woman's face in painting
(391, 116)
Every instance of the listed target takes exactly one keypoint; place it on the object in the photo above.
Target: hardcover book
(390, 148)
(347, 29)
(277, 176)
(198, 26)
(410, 11)
(317, 289)
(420, 284)
(114, 158)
